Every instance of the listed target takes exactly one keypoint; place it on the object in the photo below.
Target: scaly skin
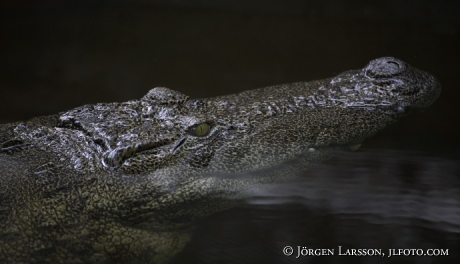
(124, 182)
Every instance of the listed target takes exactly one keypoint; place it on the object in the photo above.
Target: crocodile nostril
(384, 67)
(393, 63)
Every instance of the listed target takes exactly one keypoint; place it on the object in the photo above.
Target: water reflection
(371, 199)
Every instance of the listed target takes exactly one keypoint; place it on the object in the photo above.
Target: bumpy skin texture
(120, 182)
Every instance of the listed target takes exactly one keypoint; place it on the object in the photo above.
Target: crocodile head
(137, 168)
(166, 134)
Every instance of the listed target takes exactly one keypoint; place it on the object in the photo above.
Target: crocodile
(125, 182)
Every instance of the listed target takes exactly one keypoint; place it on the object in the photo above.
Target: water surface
(372, 199)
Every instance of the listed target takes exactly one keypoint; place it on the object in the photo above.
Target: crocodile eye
(201, 130)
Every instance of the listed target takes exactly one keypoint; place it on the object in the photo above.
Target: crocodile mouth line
(116, 157)
(179, 144)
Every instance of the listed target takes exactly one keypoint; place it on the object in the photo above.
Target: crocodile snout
(411, 88)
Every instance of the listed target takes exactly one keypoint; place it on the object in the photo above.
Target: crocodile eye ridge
(201, 130)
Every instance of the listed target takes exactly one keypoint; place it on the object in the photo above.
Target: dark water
(373, 199)
(400, 191)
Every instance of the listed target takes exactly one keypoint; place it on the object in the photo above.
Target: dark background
(56, 55)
